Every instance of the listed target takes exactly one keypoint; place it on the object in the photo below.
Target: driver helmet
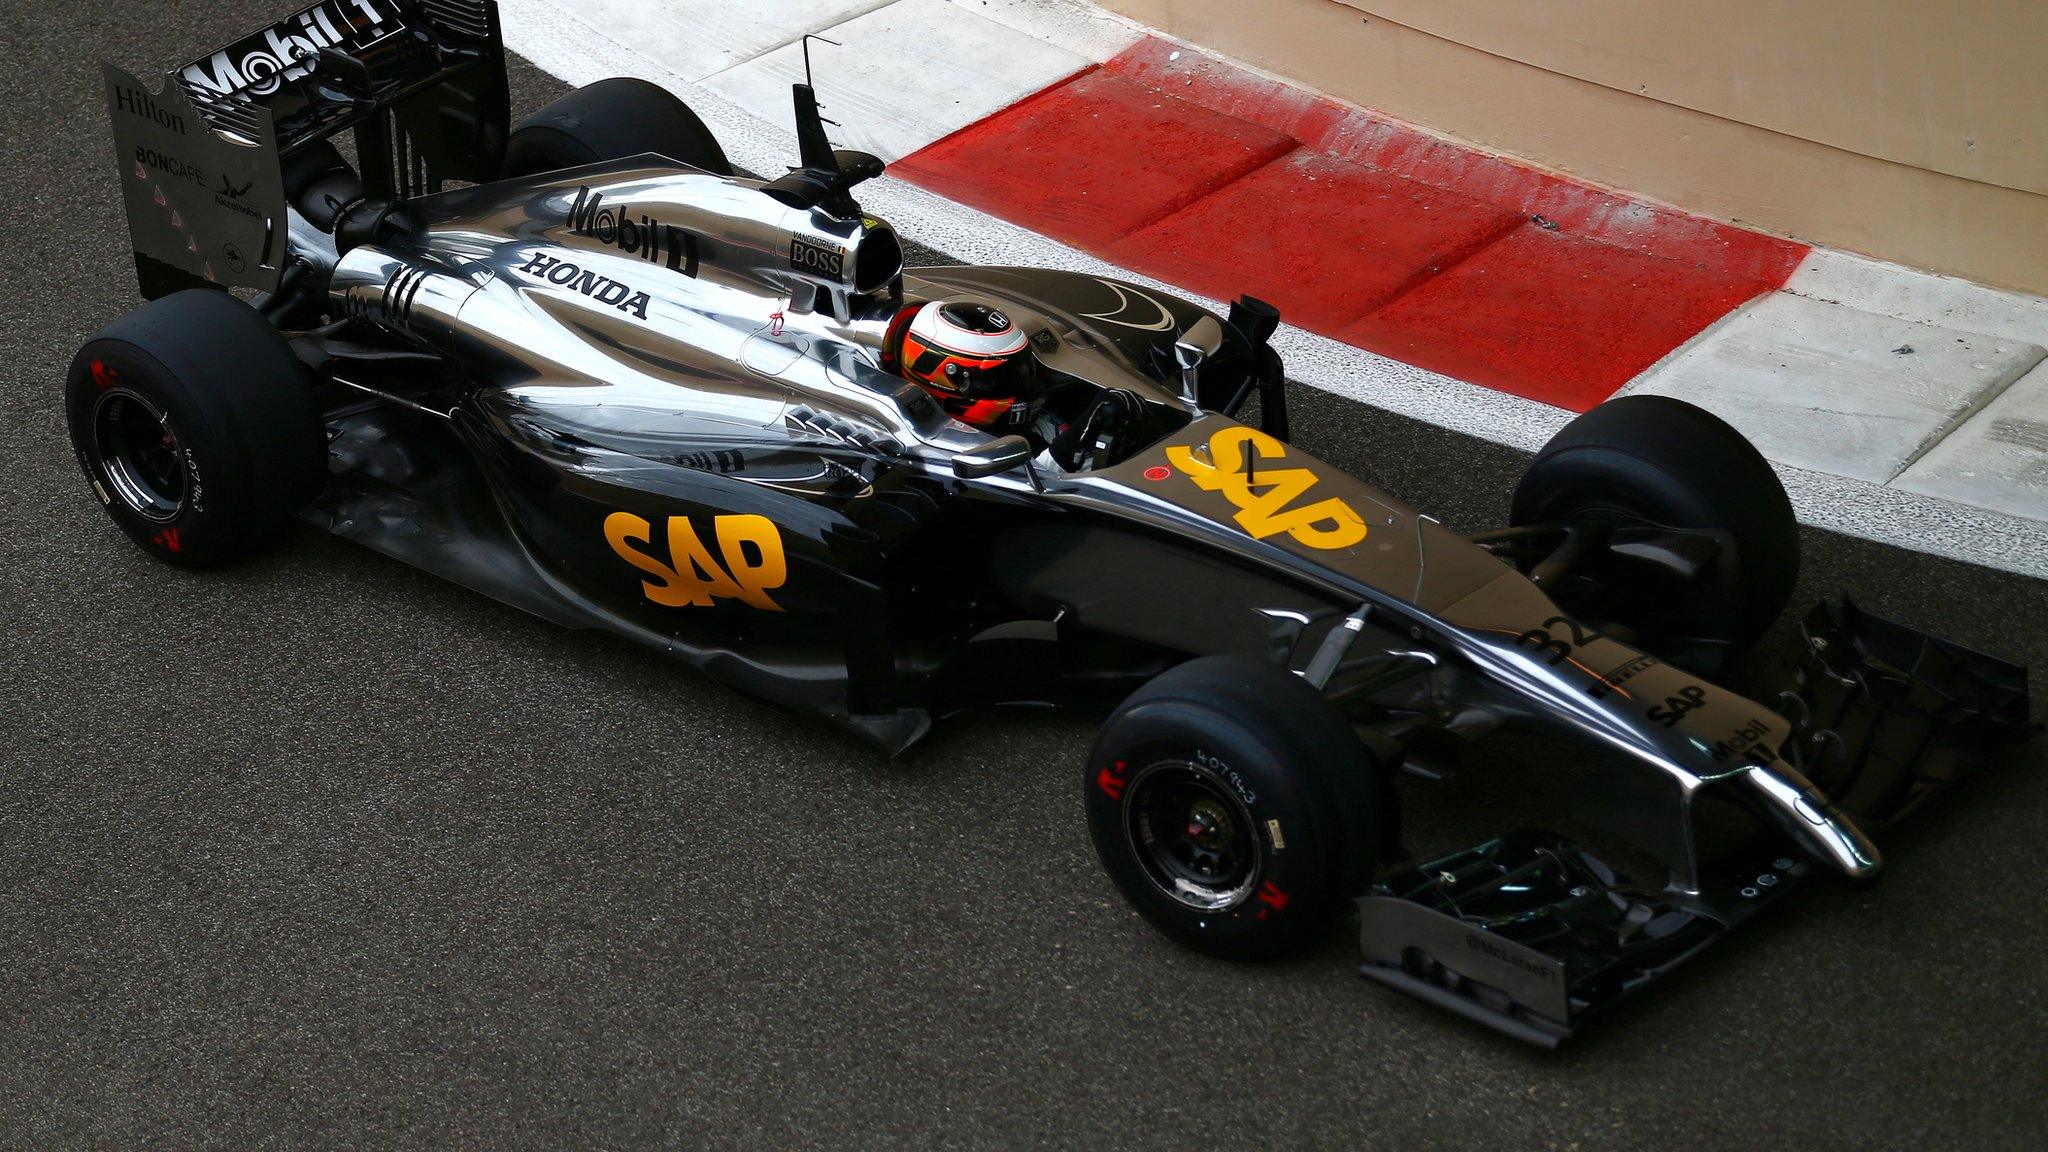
(975, 360)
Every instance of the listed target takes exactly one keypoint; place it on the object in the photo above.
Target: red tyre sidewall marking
(1274, 899)
(1112, 780)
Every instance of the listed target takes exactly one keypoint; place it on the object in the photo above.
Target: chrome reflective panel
(633, 300)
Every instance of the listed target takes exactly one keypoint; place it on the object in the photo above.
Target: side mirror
(1196, 346)
(993, 458)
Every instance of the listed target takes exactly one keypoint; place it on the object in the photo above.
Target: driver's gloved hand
(1091, 441)
(1066, 446)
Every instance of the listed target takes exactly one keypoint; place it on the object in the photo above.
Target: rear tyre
(611, 120)
(196, 427)
(1675, 465)
(1234, 808)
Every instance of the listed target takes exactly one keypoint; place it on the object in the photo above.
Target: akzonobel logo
(261, 64)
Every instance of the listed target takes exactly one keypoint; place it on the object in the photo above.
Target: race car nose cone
(1811, 819)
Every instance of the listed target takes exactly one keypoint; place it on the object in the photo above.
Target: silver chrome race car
(582, 366)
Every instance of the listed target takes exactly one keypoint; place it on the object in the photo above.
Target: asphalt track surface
(318, 851)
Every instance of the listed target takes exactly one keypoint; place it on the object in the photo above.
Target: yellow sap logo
(750, 545)
(1266, 496)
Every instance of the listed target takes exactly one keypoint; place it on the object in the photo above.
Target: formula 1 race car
(582, 366)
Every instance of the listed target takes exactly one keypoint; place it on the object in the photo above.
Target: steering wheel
(1091, 442)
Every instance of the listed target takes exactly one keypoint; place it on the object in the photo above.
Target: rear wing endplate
(420, 82)
(202, 210)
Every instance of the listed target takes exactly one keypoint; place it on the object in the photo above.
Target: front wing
(1530, 935)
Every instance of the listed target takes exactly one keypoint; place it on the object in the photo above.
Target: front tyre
(1234, 808)
(1659, 461)
(195, 426)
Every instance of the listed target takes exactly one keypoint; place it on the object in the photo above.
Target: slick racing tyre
(611, 120)
(1234, 807)
(1667, 462)
(196, 427)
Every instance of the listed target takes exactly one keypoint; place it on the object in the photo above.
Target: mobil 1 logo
(635, 234)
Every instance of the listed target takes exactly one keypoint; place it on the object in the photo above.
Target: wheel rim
(1195, 840)
(140, 455)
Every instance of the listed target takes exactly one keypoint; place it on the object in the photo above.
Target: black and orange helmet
(975, 361)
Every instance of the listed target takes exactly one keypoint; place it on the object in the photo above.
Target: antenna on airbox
(814, 147)
(825, 177)
(808, 37)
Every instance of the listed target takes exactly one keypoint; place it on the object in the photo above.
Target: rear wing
(420, 82)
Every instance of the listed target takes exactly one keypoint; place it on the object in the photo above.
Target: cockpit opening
(986, 365)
